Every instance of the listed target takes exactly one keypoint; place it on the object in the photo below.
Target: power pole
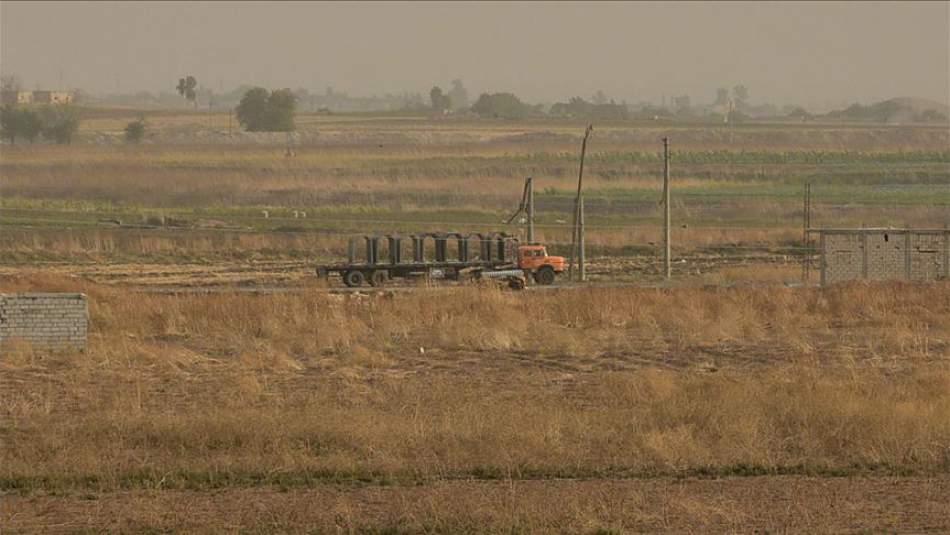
(666, 208)
(581, 241)
(806, 224)
(576, 226)
(530, 194)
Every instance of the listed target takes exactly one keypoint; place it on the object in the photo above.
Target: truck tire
(378, 277)
(545, 276)
(353, 278)
(516, 283)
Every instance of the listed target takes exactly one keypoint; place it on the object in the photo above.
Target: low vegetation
(467, 178)
(210, 391)
(728, 401)
(55, 123)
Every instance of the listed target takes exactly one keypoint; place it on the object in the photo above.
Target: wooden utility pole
(806, 225)
(666, 208)
(582, 263)
(529, 185)
(577, 226)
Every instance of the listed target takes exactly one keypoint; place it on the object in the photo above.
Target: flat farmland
(192, 192)
(732, 399)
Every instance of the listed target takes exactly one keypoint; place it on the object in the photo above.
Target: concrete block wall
(843, 258)
(45, 320)
(884, 254)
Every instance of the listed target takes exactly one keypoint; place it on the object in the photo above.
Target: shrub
(503, 105)
(60, 124)
(22, 122)
(135, 131)
(259, 111)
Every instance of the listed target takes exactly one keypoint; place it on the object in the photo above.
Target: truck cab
(534, 259)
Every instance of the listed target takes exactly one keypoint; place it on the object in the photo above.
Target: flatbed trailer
(475, 254)
(377, 274)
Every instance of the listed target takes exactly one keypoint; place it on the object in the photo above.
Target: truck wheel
(378, 277)
(516, 283)
(545, 276)
(353, 278)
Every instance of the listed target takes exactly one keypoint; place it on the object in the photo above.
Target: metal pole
(806, 225)
(577, 200)
(580, 225)
(570, 262)
(530, 210)
(666, 208)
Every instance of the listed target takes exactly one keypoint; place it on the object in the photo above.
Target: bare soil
(772, 504)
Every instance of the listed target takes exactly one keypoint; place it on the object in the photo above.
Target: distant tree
(10, 119)
(252, 111)
(458, 95)
(599, 97)
(737, 117)
(31, 124)
(503, 105)
(135, 131)
(281, 105)
(20, 122)
(440, 102)
(187, 88)
(577, 107)
(260, 111)
(797, 112)
(60, 124)
(741, 94)
(931, 116)
(650, 111)
(722, 96)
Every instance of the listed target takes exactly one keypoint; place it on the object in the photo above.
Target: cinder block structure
(45, 320)
(883, 254)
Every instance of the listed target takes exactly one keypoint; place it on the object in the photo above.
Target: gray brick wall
(45, 320)
(884, 254)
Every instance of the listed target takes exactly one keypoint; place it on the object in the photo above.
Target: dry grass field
(186, 407)
(728, 401)
(740, 186)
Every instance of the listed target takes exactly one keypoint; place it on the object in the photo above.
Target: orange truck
(534, 259)
(484, 256)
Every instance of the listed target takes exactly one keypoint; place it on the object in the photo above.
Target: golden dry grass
(102, 244)
(211, 391)
(384, 174)
(776, 504)
(464, 409)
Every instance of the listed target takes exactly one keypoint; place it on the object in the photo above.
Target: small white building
(16, 97)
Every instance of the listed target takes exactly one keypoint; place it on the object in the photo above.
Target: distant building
(16, 97)
(52, 97)
(37, 97)
(882, 254)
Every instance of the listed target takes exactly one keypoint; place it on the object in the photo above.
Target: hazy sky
(784, 52)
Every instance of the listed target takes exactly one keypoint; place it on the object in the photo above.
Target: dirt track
(275, 276)
(760, 504)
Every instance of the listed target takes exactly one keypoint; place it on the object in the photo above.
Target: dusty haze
(809, 53)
